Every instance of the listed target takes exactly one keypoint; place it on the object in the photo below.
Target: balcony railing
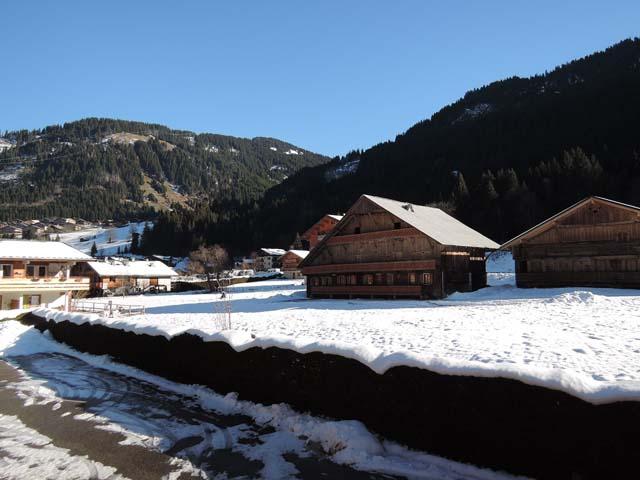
(365, 290)
(44, 283)
(108, 309)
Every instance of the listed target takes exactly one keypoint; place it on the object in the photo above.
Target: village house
(387, 248)
(318, 231)
(10, 231)
(595, 242)
(268, 258)
(291, 263)
(36, 273)
(113, 274)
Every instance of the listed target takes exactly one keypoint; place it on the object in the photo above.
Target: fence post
(110, 308)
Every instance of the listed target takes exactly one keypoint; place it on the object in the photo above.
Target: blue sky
(329, 76)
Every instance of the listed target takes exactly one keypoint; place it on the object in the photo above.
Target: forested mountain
(102, 168)
(502, 158)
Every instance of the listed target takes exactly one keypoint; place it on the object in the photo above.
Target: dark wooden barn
(595, 242)
(386, 248)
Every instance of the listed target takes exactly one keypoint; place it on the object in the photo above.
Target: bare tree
(209, 260)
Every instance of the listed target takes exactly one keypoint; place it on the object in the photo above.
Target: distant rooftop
(36, 250)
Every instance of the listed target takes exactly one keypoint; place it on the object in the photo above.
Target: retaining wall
(498, 423)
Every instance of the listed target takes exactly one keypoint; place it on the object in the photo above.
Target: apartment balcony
(38, 284)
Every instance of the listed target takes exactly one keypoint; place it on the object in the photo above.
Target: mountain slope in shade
(103, 168)
(501, 158)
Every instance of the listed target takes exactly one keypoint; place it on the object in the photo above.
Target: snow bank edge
(579, 386)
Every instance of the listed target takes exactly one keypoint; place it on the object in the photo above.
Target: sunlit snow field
(581, 340)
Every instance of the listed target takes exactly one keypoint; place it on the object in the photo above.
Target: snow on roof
(36, 250)
(273, 251)
(299, 253)
(119, 268)
(335, 217)
(435, 223)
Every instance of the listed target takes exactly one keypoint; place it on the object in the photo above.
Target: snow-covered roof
(435, 223)
(273, 251)
(299, 253)
(37, 250)
(119, 268)
(335, 217)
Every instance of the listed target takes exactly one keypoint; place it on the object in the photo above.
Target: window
(367, 279)
(379, 279)
(390, 279)
(396, 226)
(356, 230)
(352, 279)
(315, 281)
(342, 280)
(7, 270)
(36, 271)
(427, 278)
(412, 278)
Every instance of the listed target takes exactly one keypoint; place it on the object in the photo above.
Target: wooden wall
(290, 261)
(372, 243)
(596, 245)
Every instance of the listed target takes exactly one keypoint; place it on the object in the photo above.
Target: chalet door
(153, 281)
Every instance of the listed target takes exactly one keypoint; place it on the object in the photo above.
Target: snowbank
(578, 342)
(345, 442)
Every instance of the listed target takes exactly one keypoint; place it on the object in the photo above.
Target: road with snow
(68, 415)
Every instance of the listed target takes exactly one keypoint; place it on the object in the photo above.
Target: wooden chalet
(318, 231)
(595, 242)
(386, 248)
(291, 263)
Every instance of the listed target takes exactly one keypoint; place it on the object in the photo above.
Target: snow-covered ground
(582, 341)
(28, 454)
(192, 421)
(120, 238)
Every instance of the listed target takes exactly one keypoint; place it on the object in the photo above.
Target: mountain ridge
(501, 158)
(100, 168)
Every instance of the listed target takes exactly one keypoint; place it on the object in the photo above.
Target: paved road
(145, 432)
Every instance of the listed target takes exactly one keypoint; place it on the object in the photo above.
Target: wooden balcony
(374, 267)
(35, 284)
(584, 279)
(377, 235)
(367, 290)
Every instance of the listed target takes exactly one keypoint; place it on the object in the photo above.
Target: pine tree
(94, 249)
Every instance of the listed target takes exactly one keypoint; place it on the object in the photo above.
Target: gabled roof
(37, 250)
(141, 268)
(333, 216)
(299, 253)
(434, 223)
(548, 223)
(273, 251)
